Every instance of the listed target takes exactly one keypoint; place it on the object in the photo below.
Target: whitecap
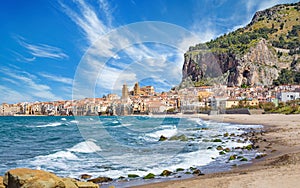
(63, 119)
(165, 132)
(58, 155)
(74, 121)
(85, 147)
(54, 124)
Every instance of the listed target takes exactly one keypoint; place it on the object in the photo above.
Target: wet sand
(280, 168)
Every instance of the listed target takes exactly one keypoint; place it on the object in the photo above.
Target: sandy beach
(280, 168)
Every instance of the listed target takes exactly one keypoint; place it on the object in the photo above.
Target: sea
(120, 145)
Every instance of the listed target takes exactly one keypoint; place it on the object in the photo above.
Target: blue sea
(117, 146)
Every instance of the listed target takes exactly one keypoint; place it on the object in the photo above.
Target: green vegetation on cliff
(252, 55)
(279, 25)
(287, 76)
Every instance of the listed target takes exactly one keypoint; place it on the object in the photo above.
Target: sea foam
(85, 147)
(168, 132)
(54, 124)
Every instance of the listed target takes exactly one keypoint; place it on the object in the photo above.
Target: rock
(100, 180)
(1, 182)
(180, 137)
(28, 178)
(232, 134)
(217, 140)
(162, 138)
(222, 152)
(70, 182)
(85, 176)
(232, 157)
(249, 147)
(149, 176)
(86, 185)
(227, 150)
(260, 156)
(244, 159)
(219, 148)
(197, 172)
(179, 169)
(166, 173)
(133, 176)
(193, 168)
(226, 134)
(209, 147)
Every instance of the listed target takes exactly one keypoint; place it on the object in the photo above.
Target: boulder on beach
(149, 176)
(86, 185)
(179, 169)
(166, 173)
(29, 178)
(85, 176)
(133, 176)
(1, 182)
(219, 148)
(100, 179)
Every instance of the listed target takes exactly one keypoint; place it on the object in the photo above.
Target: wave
(63, 119)
(74, 121)
(165, 132)
(54, 124)
(54, 156)
(85, 147)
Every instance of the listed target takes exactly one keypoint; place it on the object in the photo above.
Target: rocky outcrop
(1, 182)
(252, 55)
(257, 67)
(28, 178)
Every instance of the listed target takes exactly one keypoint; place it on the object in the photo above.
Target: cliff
(253, 55)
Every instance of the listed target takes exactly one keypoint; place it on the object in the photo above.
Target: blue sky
(45, 45)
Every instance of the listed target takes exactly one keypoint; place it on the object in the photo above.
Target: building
(125, 95)
(288, 96)
(148, 90)
(136, 89)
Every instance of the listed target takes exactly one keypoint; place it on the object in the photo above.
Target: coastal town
(218, 99)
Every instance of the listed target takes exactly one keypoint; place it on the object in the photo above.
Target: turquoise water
(115, 146)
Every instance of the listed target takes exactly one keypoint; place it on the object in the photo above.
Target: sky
(62, 50)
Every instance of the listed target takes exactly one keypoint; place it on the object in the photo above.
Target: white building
(288, 96)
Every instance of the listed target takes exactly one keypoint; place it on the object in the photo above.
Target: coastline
(279, 168)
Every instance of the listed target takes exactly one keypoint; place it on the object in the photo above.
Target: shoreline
(279, 139)
(279, 168)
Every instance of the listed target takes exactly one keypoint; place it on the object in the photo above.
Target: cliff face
(257, 67)
(253, 55)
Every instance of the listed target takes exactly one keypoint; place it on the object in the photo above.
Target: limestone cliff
(253, 55)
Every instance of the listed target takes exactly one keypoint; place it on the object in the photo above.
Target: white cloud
(11, 96)
(57, 78)
(88, 20)
(29, 86)
(260, 4)
(41, 50)
(22, 58)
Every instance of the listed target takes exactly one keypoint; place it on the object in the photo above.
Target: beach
(279, 168)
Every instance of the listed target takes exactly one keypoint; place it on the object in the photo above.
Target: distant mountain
(254, 55)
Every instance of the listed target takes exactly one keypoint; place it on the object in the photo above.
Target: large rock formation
(253, 55)
(28, 178)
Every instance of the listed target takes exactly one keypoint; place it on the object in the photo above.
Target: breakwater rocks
(29, 178)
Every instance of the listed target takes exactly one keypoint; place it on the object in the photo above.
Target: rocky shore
(29, 178)
(277, 166)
